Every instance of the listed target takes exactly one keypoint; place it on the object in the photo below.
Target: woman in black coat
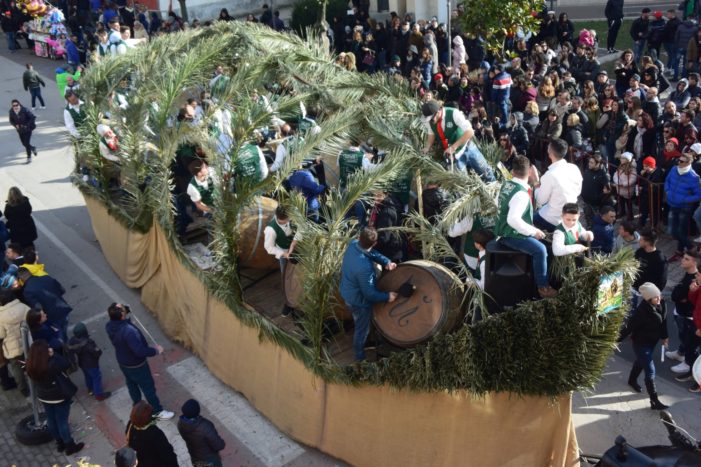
(150, 443)
(24, 122)
(647, 326)
(642, 140)
(20, 223)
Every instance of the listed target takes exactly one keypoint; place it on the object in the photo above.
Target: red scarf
(441, 133)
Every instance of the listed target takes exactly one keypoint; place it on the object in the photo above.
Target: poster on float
(610, 293)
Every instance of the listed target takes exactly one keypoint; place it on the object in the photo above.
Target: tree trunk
(183, 10)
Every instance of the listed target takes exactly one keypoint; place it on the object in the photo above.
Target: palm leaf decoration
(351, 106)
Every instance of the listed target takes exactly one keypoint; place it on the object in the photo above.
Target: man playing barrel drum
(514, 225)
(279, 242)
(358, 287)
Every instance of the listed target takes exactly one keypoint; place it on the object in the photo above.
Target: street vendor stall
(47, 30)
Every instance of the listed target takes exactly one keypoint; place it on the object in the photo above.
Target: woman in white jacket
(12, 313)
(459, 52)
(626, 181)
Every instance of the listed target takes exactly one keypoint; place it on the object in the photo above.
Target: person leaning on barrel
(358, 287)
(514, 225)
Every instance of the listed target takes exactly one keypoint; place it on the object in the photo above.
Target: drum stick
(141, 325)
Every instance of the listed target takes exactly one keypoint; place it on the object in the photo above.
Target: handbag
(66, 385)
(368, 58)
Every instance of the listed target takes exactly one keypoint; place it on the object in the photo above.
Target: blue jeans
(11, 41)
(36, 94)
(678, 225)
(93, 380)
(679, 63)
(473, 159)
(361, 318)
(638, 49)
(644, 359)
(681, 323)
(671, 50)
(536, 249)
(139, 380)
(542, 224)
(57, 421)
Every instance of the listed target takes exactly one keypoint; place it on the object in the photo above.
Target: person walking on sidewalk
(150, 443)
(88, 354)
(33, 83)
(200, 435)
(132, 350)
(646, 326)
(24, 122)
(683, 314)
(614, 17)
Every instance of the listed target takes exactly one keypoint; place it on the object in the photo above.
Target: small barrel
(433, 308)
(293, 289)
(252, 222)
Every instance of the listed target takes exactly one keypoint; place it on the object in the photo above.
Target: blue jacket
(303, 181)
(682, 190)
(603, 235)
(72, 52)
(129, 344)
(358, 277)
(48, 292)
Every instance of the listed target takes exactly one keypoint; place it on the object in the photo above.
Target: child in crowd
(625, 180)
(652, 262)
(627, 237)
(481, 237)
(603, 230)
(569, 233)
(88, 354)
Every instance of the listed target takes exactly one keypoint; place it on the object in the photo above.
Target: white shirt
(561, 184)
(68, 119)
(107, 153)
(367, 166)
(280, 154)
(192, 191)
(271, 238)
(483, 271)
(559, 247)
(461, 122)
(115, 41)
(517, 206)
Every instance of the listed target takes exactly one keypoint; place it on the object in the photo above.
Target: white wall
(204, 10)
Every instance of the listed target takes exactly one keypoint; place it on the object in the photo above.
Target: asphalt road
(595, 9)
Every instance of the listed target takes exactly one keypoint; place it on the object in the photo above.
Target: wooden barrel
(293, 289)
(433, 308)
(252, 222)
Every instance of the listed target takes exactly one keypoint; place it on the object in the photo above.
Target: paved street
(68, 248)
(594, 9)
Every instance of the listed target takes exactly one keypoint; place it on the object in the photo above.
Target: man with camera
(132, 350)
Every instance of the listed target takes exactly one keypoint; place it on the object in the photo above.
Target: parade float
(46, 28)
(489, 391)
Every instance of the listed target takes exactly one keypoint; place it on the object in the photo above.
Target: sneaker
(34, 150)
(547, 292)
(695, 388)
(103, 396)
(43, 107)
(674, 355)
(34, 109)
(684, 378)
(681, 368)
(613, 51)
(697, 239)
(164, 415)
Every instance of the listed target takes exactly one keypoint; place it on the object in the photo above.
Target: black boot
(73, 447)
(655, 403)
(60, 446)
(633, 377)
(6, 381)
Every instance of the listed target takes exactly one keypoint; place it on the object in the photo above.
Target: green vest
(569, 236)
(452, 132)
(205, 193)
(348, 162)
(248, 164)
(78, 117)
(478, 223)
(306, 124)
(103, 50)
(502, 227)
(401, 187)
(282, 239)
(220, 85)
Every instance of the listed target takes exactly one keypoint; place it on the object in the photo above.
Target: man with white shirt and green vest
(350, 160)
(514, 226)
(250, 165)
(280, 241)
(454, 133)
(201, 186)
(73, 114)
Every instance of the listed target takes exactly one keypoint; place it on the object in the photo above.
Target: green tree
(496, 20)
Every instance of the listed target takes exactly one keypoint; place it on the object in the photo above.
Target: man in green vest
(73, 115)
(250, 165)
(352, 159)
(569, 233)
(201, 186)
(514, 226)
(219, 83)
(454, 133)
(280, 241)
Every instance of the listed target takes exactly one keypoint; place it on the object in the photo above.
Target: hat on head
(429, 109)
(627, 156)
(673, 140)
(80, 330)
(649, 161)
(602, 72)
(60, 71)
(649, 291)
(437, 76)
(696, 148)
(636, 77)
(414, 50)
(658, 14)
(395, 58)
(125, 457)
(102, 129)
(191, 409)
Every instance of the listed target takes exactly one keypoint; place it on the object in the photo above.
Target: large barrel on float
(251, 223)
(433, 308)
(293, 290)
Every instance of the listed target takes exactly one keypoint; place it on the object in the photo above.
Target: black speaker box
(509, 277)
